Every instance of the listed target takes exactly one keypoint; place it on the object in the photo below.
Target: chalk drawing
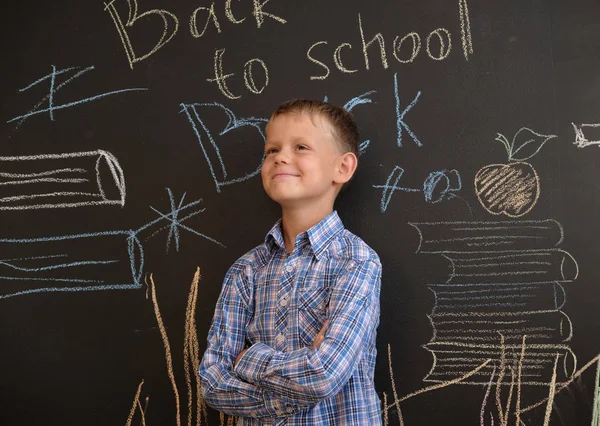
(76, 179)
(582, 140)
(100, 261)
(54, 88)
(505, 281)
(465, 28)
(512, 189)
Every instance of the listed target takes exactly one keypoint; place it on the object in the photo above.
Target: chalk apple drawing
(513, 188)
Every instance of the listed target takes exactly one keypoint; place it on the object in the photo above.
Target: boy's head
(343, 128)
(311, 152)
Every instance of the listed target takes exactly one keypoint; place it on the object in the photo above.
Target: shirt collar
(320, 235)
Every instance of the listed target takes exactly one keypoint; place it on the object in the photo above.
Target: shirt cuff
(280, 406)
(253, 363)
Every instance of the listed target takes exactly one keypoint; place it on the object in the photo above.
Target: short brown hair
(344, 128)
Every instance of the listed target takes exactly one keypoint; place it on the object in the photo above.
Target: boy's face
(302, 160)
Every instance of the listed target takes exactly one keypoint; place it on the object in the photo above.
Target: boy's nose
(282, 157)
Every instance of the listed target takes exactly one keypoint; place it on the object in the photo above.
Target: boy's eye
(271, 150)
(302, 147)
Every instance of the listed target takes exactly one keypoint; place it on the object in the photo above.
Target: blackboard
(132, 133)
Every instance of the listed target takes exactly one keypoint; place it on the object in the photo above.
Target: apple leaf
(526, 143)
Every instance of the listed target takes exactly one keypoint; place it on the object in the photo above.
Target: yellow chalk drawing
(563, 385)
(136, 404)
(191, 363)
(596, 403)
(397, 400)
(168, 356)
(191, 355)
(132, 17)
(512, 189)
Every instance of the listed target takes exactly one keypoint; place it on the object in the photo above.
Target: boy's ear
(346, 167)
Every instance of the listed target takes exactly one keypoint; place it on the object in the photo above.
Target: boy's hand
(319, 337)
(239, 357)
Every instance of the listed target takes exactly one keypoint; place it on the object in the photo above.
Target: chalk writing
(438, 46)
(445, 41)
(168, 32)
(221, 78)
(54, 87)
(438, 186)
(400, 124)
(208, 142)
(76, 179)
(171, 23)
(512, 189)
(582, 138)
(354, 102)
(211, 16)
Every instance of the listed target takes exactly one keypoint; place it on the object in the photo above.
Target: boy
(292, 340)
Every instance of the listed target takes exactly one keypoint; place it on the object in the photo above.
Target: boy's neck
(295, 221)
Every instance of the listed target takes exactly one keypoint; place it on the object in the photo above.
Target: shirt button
(280, 338)
(289, 268)
(284, 301)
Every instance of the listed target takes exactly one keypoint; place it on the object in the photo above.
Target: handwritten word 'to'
(249, 81)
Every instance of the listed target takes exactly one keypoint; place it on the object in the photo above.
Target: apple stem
(501, 138)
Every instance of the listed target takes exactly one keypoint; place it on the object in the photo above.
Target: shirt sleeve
(308, 376)
(222, 389)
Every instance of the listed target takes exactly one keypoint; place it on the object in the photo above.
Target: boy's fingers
(320, 335)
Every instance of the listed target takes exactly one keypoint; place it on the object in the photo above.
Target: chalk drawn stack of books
(502, 299)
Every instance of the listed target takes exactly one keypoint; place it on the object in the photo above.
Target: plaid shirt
(275, 303)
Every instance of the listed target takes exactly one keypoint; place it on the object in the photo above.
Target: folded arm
(307, 376)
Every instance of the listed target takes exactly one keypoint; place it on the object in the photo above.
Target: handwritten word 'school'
(55, 87)
(170, 22)
(437, 45)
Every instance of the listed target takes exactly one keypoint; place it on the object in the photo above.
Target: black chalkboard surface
(132, 135)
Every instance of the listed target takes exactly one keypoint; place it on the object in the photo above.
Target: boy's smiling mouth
(282, 175)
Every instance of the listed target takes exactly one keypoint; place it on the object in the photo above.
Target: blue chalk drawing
(176, 223)
(360, 100)
(400, 124)
(74, 263)
(450, 182)
(51, 105)
(207, 139)
(391, 185)
(71, 275)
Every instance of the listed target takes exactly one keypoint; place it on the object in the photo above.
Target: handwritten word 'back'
(171, 23)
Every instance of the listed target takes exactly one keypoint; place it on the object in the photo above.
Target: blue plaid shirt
(275, 303)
